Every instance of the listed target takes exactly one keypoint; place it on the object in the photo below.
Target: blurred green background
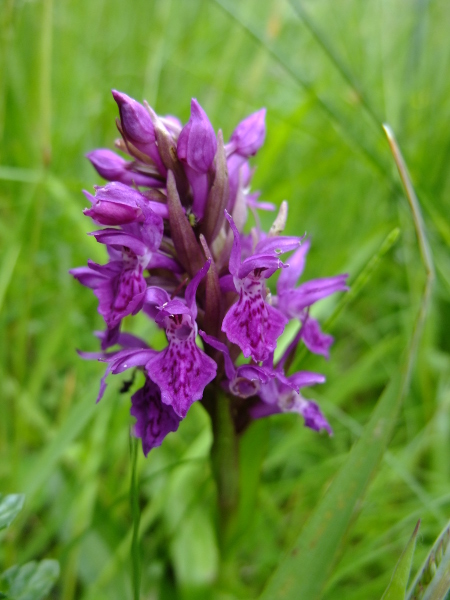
(329, 74)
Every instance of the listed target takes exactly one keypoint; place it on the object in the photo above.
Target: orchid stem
(225, 464)
(136, 513)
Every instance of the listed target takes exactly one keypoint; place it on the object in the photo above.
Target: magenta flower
(252, 323)
(182, 370)
(173, 216)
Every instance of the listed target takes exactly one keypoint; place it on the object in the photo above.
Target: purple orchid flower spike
(154, 419)
(182, 370)
(113, 167)
(184, 199)
(252, 323)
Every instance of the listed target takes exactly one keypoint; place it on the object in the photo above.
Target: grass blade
(432, 582)
(397, 586)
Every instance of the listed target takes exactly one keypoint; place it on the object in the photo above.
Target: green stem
(136, 513)
(225, 464)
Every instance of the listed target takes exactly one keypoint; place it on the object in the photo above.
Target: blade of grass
(337, 120)
(77, 419)
(397, 586)
(335, 58)
(432, 582)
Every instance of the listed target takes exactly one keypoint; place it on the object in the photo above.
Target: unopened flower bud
(136, 122)
(197, 144)
(113, 167)
(248, 137)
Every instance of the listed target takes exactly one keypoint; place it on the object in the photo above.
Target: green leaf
(10, 506)
(32, 581)
(432, 581)
(397, 586)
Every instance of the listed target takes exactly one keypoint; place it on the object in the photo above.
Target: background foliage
(329, 76)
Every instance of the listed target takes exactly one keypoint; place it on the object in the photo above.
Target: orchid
(174, 216)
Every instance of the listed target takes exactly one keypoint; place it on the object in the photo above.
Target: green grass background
(328, 81)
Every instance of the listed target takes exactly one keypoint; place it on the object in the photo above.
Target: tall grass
(329, 74)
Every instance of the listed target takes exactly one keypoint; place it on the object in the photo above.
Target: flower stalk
(225, 465)
(173, 217)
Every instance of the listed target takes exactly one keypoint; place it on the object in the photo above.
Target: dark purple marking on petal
(122, 294)
(182, 370)
(251, 323)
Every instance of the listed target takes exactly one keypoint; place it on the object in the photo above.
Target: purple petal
(121, 361)
(292, 302)
(121, 295)
(157, 296)
(200, 185)
(249, 135)
(265, 262)
(191, 289)
(87, 276)
(138, 127)
(154, 419)
(235, 257)
(251, 323)
(136, 121)
(162, 261)
(119, 238)
(182, 372)
(315, 340)
(314, 418)
(112, 167)
(304, 379)
(262, 409)
(197, 144)
(230, 369)
(111, 337)
(126, 340)
(277, 244)
(289, 277)
(247, 381)
(129, 358)
(235, 164)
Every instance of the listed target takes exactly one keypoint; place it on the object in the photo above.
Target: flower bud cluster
(173, 215)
